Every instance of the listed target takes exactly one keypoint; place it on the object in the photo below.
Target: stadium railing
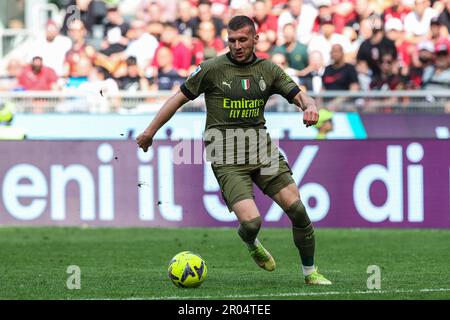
(144, 102)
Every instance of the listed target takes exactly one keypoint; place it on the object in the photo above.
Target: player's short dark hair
(239, 22)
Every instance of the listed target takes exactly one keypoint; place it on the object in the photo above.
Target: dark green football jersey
(236, 93)
(235, 97)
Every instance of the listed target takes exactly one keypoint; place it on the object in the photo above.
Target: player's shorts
(236, 181)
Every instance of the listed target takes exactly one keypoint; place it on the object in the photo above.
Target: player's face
(242, 44)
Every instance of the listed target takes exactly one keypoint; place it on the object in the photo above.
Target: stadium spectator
(182, 55)
(422, 66)
(184, 20)
(80, 49)
(325, 12)
(134, 79)
(370, 51)
(437, 35)
(365, 28)
(444, 17)
(114, 43)
(301, 14)
(440, 76)
(438, 5)
(99, 85)
(143, 45)
(396, 10)
(339, 75)
(156, 28)
(264, 46)
(296, 53)
(241, 7)
(364, 36)
(363, 10)
(79, 73)
(278, 6)
(274, 103)
(327, 36)
(128, 8)
(344, 12)
(157, 10)
(264, 20)
(150, 11)
(311, 77)
(355, 42)
(394, 31)
(167, 77)
(52, 48)
(219, 8)
(417, 22)
(91, 12)
(9, 82)
(38, 77)
(205, 15)
(208, 45)
(114, 19)
(388, 78)
(281, 60)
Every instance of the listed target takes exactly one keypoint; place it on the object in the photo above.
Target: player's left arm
(308, 106)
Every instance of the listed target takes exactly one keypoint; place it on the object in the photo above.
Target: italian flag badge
(245, 84)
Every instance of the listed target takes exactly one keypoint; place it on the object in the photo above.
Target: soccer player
(236, 88)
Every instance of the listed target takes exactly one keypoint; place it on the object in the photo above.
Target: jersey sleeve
(283, 84)
(196, 83)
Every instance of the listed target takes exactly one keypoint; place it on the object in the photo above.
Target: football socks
(303, 232)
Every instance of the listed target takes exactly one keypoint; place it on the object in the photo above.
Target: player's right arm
(195, 85)
(145, 139)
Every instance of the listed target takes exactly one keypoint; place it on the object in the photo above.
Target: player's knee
(252, 226)
(298, 215)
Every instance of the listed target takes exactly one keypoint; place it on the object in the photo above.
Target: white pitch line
(290, 294)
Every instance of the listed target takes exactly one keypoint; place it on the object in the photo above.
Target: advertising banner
(183, 125)
(406, 125)
(343, 183)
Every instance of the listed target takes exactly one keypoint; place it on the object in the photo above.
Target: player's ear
(256, 38)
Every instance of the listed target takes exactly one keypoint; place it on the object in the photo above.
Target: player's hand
(310, 116)
(144, 141)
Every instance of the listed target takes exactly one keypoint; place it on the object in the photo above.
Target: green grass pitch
(132, 264)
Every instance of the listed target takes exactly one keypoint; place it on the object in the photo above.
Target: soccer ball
(187, 270)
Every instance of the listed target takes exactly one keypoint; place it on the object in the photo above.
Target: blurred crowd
(151, 45)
